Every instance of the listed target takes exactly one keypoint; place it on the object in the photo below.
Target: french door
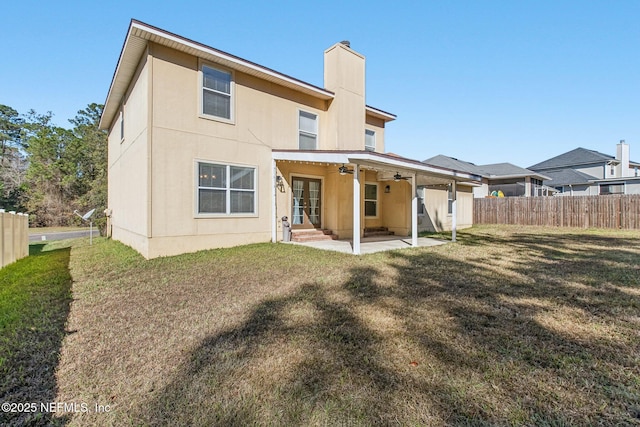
(306, 204)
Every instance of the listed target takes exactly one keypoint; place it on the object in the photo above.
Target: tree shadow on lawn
(436, 341)
(30, 345)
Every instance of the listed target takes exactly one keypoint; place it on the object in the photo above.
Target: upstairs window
(216, 93)
(307, 131)
(369, 140)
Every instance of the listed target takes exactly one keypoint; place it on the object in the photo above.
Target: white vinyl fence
(14, 237)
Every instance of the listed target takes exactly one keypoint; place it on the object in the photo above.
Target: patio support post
(356, 210)
(454, 213)
(414, 212)
(274, 214)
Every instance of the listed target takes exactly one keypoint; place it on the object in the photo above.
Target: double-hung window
(307, 131)
(449, 199)
(217, 96)
(369, 140)
(226, 189)
(371, 200)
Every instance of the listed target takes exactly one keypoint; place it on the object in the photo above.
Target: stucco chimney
(622, 155)
(344, 75)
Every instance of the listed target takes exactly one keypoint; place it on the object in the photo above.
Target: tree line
(49, 171)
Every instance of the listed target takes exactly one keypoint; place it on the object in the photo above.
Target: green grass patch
(35, 293)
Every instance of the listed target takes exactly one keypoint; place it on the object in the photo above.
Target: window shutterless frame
(370, 199)
(307, 130)
(224, 189)
(216, 93)
(369, 140)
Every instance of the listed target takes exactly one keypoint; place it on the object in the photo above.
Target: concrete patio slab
(369, 245)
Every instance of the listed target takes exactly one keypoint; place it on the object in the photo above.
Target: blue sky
(482, 81)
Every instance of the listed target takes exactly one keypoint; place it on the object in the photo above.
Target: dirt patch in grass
(509, 326)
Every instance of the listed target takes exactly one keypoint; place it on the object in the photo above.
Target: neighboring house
(507, 178)
(209, 150)
(583, 172)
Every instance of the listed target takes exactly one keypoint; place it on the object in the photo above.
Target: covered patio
(341, 202)
(370, 245)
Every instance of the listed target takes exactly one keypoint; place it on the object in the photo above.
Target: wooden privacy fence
(14, 237)
(615, 211)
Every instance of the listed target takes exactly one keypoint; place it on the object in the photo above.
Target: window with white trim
(369, 140)
(614, 188)
(217, 96)
(226, 189)
(371, 200)
(307, 131)
(450, 199)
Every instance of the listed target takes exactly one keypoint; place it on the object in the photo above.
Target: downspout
(274, 203)
(414, 211)
(454, 213)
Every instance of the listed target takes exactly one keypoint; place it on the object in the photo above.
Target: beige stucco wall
(437, 218)
(128, 164)
(152, 173)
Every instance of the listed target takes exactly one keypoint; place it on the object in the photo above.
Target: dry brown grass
(510, 326)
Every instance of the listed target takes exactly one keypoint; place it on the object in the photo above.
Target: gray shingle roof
(567, 177)
(492, 171)
(579, 156)
(505, 169)
(453, 163)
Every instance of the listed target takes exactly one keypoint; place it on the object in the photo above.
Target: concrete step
(377, 231)
(312, 235)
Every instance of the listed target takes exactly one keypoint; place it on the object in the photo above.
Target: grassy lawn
(509, 326)
(35, 293)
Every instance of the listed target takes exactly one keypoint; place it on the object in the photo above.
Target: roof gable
(140, 34)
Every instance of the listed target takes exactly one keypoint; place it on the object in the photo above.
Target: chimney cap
(347, 43)
(622, 141)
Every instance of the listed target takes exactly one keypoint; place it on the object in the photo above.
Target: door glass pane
(314, 202)
(297, 215)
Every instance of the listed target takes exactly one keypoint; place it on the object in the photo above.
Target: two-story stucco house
(583, 172)
(209, 150)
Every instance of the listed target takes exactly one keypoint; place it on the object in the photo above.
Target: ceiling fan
(397, 177)
(343, 170)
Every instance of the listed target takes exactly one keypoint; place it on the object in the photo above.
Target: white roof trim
(374, 160)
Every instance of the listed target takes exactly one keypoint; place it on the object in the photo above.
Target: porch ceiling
(385, 164)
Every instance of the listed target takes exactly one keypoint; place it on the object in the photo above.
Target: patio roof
(425, 174)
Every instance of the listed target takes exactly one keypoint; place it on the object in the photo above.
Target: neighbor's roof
(579, 156)
(140, 34)
(507, 170)
(452, 163)
(567, 177)
(492, 171)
